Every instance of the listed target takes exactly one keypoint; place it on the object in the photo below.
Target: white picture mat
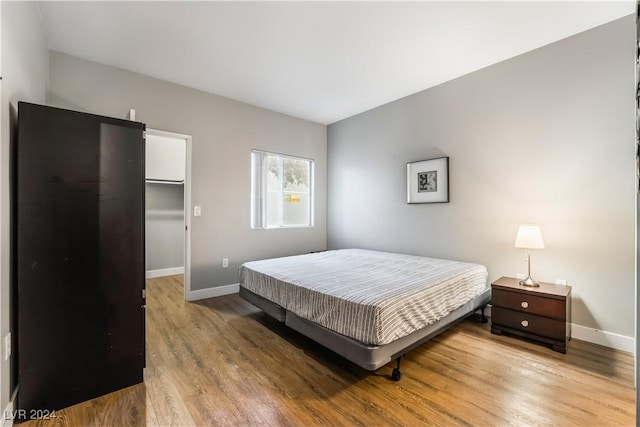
(441, 167)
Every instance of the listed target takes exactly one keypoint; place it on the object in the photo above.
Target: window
(281, 191)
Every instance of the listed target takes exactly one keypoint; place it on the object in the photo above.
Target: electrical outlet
(225, 262)
(520, 276)
(7, 346)
(561, 282)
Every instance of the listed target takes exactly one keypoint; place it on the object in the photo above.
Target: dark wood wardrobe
(78, 254)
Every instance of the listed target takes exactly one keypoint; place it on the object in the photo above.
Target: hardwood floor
(222, 362)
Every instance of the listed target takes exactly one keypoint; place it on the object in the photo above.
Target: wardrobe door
(79, 256)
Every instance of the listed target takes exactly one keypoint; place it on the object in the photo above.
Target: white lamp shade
(529, 237)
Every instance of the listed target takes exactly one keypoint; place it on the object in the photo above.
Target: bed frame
(369, 357)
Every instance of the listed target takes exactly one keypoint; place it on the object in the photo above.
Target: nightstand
(542, 313)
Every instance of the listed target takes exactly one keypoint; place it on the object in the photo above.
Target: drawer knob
(524, 323)
(524, 304)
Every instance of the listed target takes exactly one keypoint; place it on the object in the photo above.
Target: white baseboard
(216, 291)
(607, 339)
(150, 274)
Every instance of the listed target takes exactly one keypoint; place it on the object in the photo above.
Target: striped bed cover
(372, 297)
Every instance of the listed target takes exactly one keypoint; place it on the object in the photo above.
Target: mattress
(372, 297)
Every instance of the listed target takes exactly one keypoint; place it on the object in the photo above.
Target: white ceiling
(321, 61)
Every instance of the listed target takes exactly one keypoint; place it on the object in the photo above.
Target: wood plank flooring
(222, 362)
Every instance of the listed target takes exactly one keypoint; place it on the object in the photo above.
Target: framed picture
(428, 181)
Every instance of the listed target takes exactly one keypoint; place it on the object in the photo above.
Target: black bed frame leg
(396, 375)
(483, 318)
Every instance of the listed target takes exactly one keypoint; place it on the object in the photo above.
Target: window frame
(259, 171)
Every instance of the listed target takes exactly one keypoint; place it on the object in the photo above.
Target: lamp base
(529, 282)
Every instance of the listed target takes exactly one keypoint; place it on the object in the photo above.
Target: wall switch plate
(225, 262)
(520, 276)
(7, 346)
(197, 211)
(561, 282)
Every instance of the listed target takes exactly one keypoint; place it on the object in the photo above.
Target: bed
(370, 307)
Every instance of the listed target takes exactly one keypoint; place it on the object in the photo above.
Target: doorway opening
(168, 205)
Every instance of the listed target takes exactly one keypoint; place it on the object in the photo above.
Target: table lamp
(529, 237)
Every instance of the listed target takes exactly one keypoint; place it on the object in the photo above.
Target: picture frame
(428, 181)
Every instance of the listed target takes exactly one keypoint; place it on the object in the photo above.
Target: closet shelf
(165, 213)
(162, 181)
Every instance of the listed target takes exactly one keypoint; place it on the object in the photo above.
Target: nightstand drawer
(528, 303)
(529, 323)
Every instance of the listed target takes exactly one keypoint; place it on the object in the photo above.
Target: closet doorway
(168, 204)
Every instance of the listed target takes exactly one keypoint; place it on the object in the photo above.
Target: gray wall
(25, 73)
(164, 226)
(224, 132)
(546, 137)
